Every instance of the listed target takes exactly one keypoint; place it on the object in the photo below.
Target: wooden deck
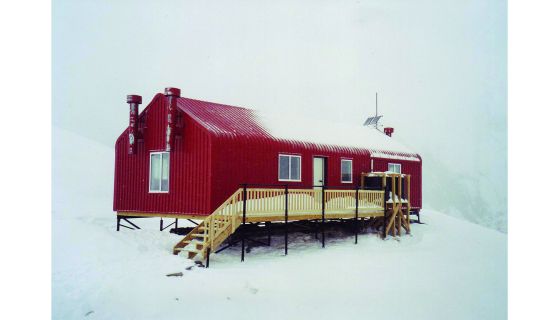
(343, 214)
(251, 205)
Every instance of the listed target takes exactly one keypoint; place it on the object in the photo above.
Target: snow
(403, 200)
(82, 175)
(297, 127)
(447, 269)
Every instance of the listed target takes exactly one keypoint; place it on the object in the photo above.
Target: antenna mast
(372, 122)
(376, 109)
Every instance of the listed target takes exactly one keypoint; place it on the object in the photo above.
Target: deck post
(409, 204)
(118, 223)
(393, 206)
(285, 220)
(356, 217)
(244, 216)
(207, 257)
(160, 224)
(268, 231)
(399, 215)
(385, 209)
(323, 215)
(176, 223)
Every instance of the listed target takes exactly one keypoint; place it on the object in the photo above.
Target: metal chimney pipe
(172, 95)
(133, 101)
(389, 131)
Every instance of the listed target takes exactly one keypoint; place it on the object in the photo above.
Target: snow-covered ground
(447, 269)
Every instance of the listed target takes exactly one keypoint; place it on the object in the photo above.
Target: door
(318, 172)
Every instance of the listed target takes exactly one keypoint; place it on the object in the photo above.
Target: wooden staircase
(215, 229)
(398, 207)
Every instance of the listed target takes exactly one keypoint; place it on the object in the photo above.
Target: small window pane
(155, 172)
(395, 167)
(165, 172)
(346, 170)
(284, 168)
(295, 168)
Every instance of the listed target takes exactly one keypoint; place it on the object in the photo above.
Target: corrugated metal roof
(221, 119)
(236, 122)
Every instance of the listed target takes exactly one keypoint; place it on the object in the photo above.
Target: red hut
(183, 158)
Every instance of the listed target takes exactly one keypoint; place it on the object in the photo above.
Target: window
(346, 171)
(395, 167)
(159, 172)
(289, 168)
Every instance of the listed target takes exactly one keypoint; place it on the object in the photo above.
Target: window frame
(351, 171)
(290, 156)
(160, 153)
(394, 164)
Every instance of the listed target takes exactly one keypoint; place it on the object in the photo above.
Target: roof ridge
(215, 103)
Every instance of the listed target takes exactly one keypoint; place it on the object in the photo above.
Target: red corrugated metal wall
(189, 167)
(237, 160)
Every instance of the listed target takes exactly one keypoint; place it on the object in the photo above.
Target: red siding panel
(189, 167)
(238, 161)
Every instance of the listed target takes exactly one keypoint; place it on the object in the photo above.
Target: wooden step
(192, 237)
(196, 243)
(193, 250)
(184, 249)
(199, 235)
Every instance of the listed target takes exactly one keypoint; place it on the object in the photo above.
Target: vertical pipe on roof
(172, 95)
(133, 100)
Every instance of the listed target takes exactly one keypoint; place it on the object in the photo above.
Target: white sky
(440, 68)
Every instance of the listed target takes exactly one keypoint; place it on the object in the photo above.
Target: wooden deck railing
(272, 202)
(265, 201)
(280, 203)
(223, 222)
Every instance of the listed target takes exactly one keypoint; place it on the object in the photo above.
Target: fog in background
(439, 67)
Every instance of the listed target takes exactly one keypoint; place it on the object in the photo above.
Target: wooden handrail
(264, 200)
(300, 202)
